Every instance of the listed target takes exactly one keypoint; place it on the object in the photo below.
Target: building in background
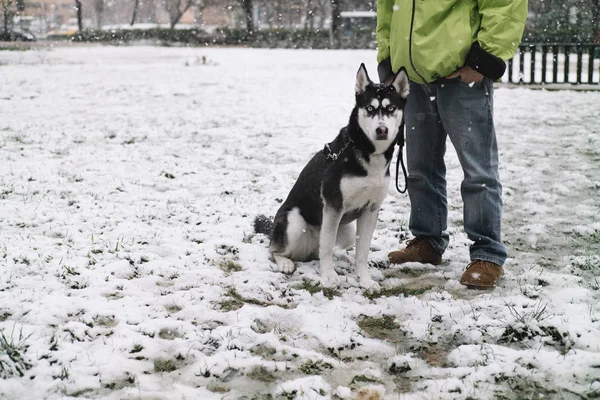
(40, 16)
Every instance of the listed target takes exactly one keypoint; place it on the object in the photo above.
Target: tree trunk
(248, 8)
(596, 20)
(336, 21)
(79, 17)
(99, 8)
(269, 14)
(178, 13)
(135, 10)
(309, 22)
(7, 14)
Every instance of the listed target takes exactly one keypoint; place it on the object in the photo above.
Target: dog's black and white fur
(344, 182)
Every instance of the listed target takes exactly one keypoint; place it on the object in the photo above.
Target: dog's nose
(381, 130)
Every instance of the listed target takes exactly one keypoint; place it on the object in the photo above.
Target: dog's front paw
(369, 284)
(329, 278)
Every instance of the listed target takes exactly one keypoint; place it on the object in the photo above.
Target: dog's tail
(264, 225)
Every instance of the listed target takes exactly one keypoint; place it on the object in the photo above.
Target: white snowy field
(129, 269)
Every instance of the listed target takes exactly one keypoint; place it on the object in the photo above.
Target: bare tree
(136, 5)
(99, 9)
(79, 12)
(337, 7)
(8, 13)
(176, 9)
(311, 9)
(596, 20)
(248, 9)
(321, 12)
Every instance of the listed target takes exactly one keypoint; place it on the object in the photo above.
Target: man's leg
(425, 148)
(466, 112)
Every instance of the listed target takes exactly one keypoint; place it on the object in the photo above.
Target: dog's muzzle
(381, 133)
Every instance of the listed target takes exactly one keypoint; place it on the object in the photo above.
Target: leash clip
(330, 154)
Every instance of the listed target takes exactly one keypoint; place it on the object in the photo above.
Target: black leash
(400, 159)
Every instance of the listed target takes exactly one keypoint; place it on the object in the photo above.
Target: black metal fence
(555, 63)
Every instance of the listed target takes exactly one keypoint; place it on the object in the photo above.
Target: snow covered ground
(129, 268)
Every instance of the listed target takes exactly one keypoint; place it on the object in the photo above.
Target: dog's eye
(391, 108)
(370, 108)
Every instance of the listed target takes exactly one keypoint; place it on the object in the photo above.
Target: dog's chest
(358, 192)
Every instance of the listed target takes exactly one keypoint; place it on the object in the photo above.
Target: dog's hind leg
(365, 225)
(295, 240)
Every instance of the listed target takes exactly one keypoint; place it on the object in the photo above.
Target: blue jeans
(463, 113)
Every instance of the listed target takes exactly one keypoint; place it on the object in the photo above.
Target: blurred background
(275, 23)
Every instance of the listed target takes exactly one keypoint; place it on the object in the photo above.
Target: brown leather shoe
(481, 275)
(416, 250)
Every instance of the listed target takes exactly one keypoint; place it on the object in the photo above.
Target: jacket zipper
(412, 21)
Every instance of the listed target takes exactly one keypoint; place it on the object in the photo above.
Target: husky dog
(344, 182)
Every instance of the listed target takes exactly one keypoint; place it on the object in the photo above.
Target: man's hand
(466, 74)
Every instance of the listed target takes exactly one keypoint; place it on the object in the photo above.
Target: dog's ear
(400, 83)
(362, 80)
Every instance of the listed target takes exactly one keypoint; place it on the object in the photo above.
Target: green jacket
(433, 38)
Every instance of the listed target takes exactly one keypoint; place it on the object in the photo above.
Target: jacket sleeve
(501, 30)
(384, 21)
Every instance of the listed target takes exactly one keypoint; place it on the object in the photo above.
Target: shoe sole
(420, 262)
(477, 287)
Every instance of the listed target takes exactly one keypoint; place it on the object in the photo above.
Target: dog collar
(331, 155)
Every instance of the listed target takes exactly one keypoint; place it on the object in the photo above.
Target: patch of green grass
(19, 138)
(522, 387)
(395, 291)
(173, 308)
(236, 301)
(230, 305)
(118, 384)
(107, 321)
(229, 266)
(169, 334)
(70, 270)
(136, 348)
(594, 238)
(216, 387)
(584, 265)
(315, 367)
(164, 365)
(226, 249)
(82, 392)
(261, 374)
(363, 379)
(313, 287)
(538, 313)
(235, 295)
(382, 328)
(4, 315)
(248, 237)
(15, 48)
(409, 271)
(379, 264)
(520, 334)
(383, 322)
(64, 374)
(12, 355)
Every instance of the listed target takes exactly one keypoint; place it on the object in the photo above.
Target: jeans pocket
(471, 84)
